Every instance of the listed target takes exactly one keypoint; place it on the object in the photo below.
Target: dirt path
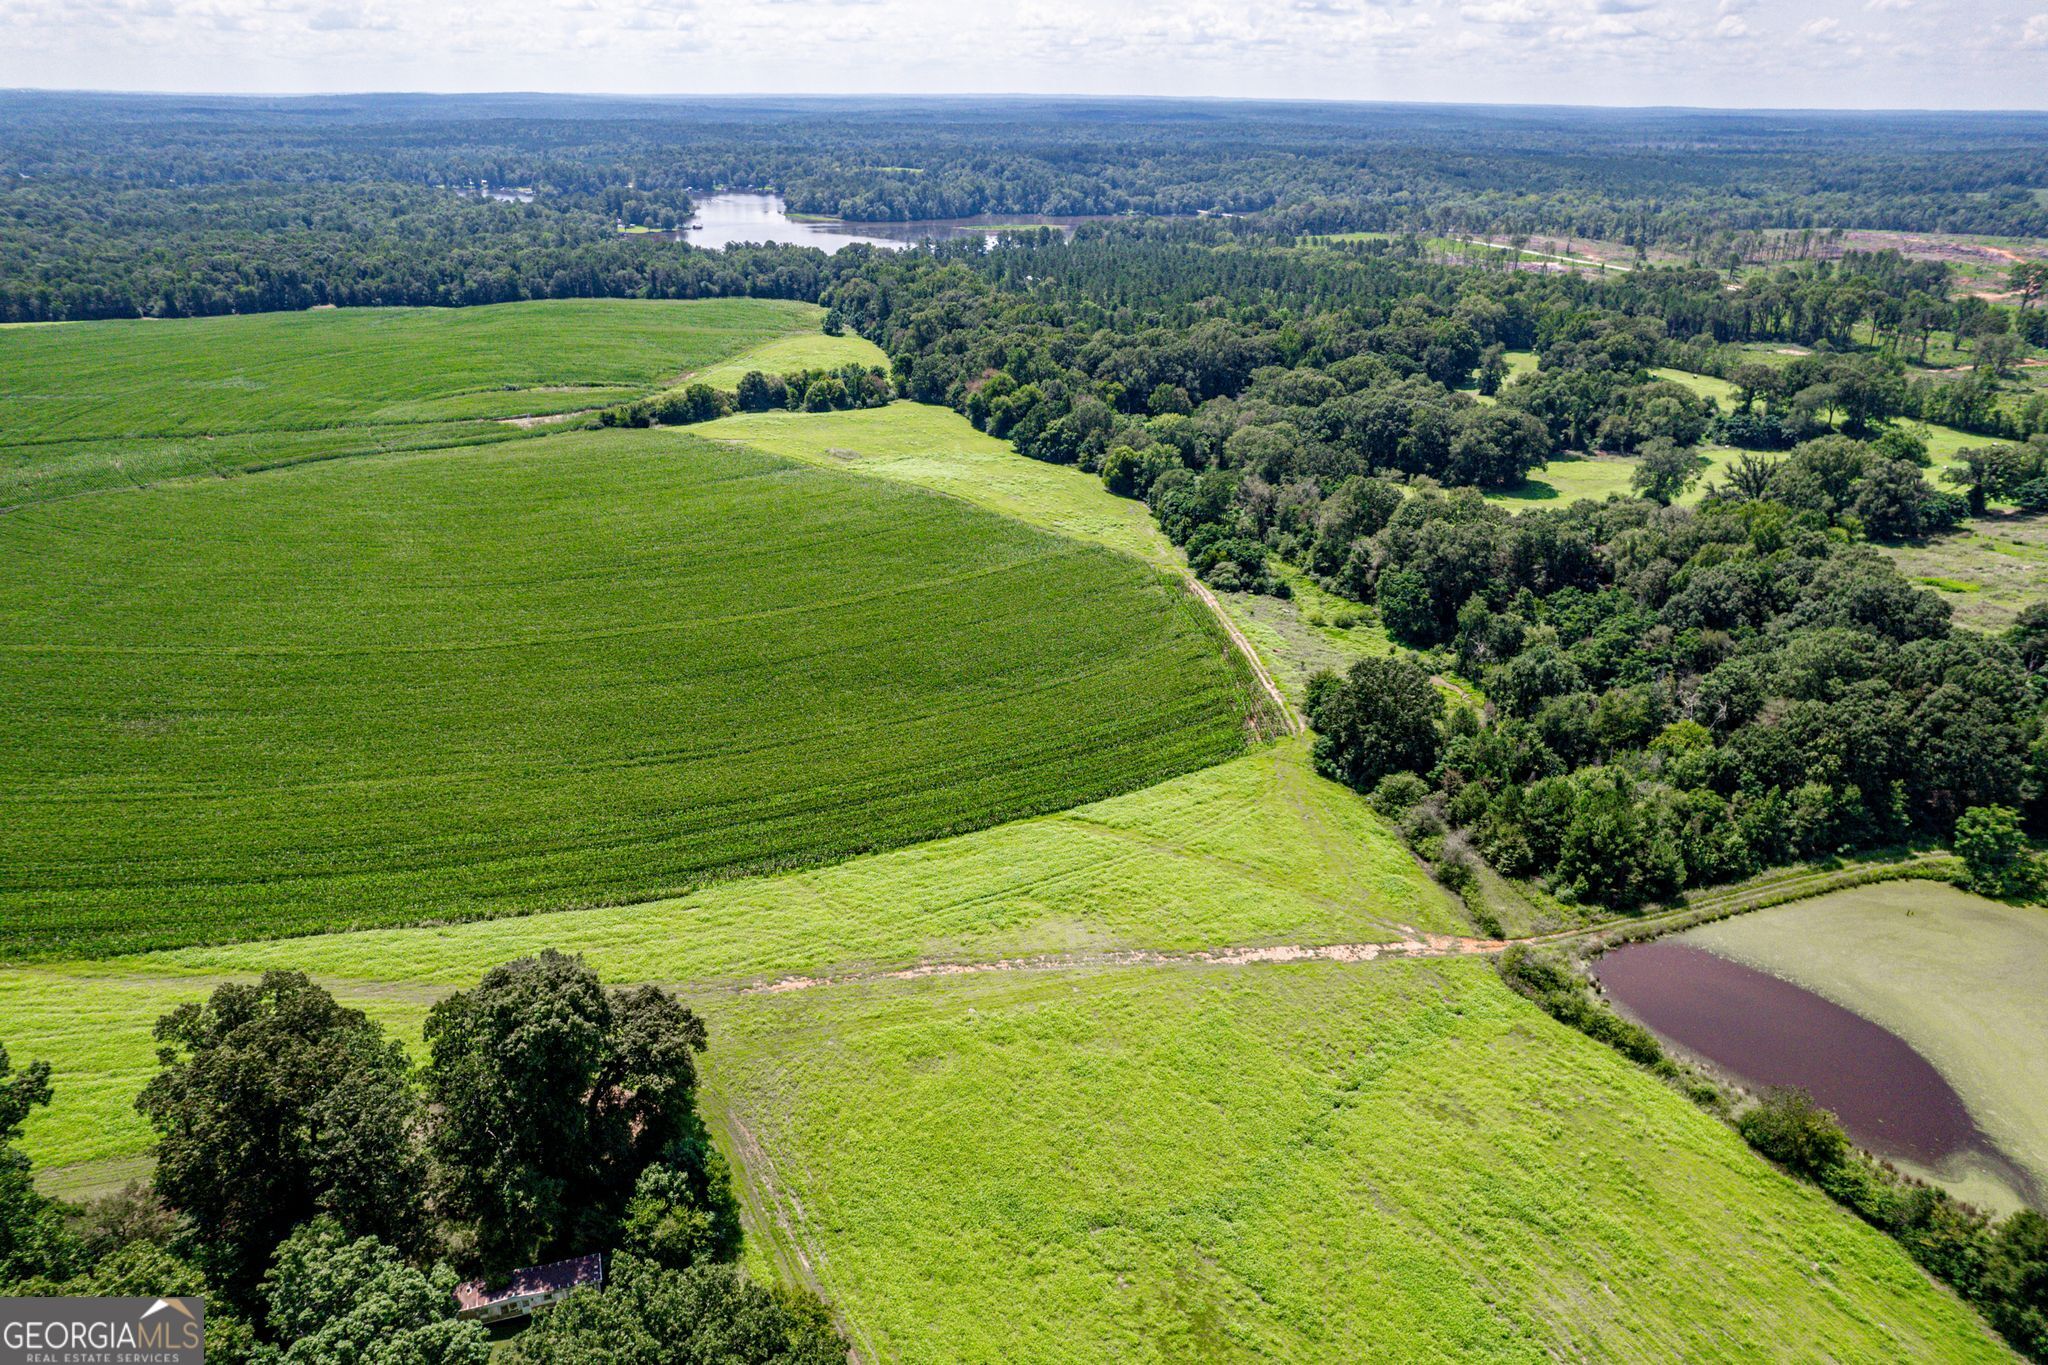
(1420, 945)
(1288, 716)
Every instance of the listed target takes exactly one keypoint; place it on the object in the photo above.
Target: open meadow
(808, 350)
(95, 405)
(1389, 1161)
(938, 449)
(980, 1095)
(599, 667)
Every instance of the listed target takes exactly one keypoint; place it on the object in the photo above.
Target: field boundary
(1290, 719)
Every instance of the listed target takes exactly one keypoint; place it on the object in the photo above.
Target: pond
(724, 219)
(1761, 1030)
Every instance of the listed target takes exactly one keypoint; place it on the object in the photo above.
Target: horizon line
(1018, 95)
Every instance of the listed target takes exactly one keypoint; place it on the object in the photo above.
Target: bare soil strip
(1288, 716)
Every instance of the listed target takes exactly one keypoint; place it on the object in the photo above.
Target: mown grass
(785, 355)
(1957, 976)
(1254, 851)
(599, 667)
(95, 405)
(1705, 385)
(1401, 1161)
(937, 448)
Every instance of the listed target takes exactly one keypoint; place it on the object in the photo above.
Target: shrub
(1395, 793)
(1789, 1128)
(1994, 853)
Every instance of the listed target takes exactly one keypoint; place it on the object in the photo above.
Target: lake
(722, 220)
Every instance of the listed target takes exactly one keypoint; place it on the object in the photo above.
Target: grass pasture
(1962, 979)
(1987, 572)
(600, 667)
(93, 405)
(787, 354)
(938, 449)
(1399, 1161)
(1252, 852)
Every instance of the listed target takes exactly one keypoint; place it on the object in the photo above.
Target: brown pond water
(1765, 1031)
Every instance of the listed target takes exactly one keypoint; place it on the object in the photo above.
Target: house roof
(540, 1279)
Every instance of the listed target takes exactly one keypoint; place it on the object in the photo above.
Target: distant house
(528, 1290)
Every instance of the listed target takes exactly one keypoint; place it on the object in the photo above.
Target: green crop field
(595, 667)
(94, 405)
(1957, 976)
(1394, 1161)
(1257, 851)
(784, 355)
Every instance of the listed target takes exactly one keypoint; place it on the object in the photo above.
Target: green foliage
(33, 1239)
(1664, 470)
(706, 1315)
(1994, 850)
(548, 1097)
(275, 1104)
(1380, 718)
(333, 1298)
(682, 1212)
(1789, 1128)
(2015, 1286)
(1546, 979)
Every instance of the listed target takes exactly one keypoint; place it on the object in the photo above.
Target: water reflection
(724, 219)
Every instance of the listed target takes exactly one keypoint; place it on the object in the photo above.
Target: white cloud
(1522, 51)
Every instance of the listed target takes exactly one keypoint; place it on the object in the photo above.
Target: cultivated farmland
(597, 667)
(97, 405)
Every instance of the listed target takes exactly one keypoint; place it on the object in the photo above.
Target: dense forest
(114, 206)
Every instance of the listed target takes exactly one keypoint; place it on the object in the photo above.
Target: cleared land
(1380, 1160)
(93, 405)
(1256, 851)
(1962, 979)
(1399, 1161)
(599, 667)
(1988, 573)
(938, 449)
(785, 355)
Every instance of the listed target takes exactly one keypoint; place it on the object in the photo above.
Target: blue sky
(1784, 53)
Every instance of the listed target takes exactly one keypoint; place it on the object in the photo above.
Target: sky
(1991, 54)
